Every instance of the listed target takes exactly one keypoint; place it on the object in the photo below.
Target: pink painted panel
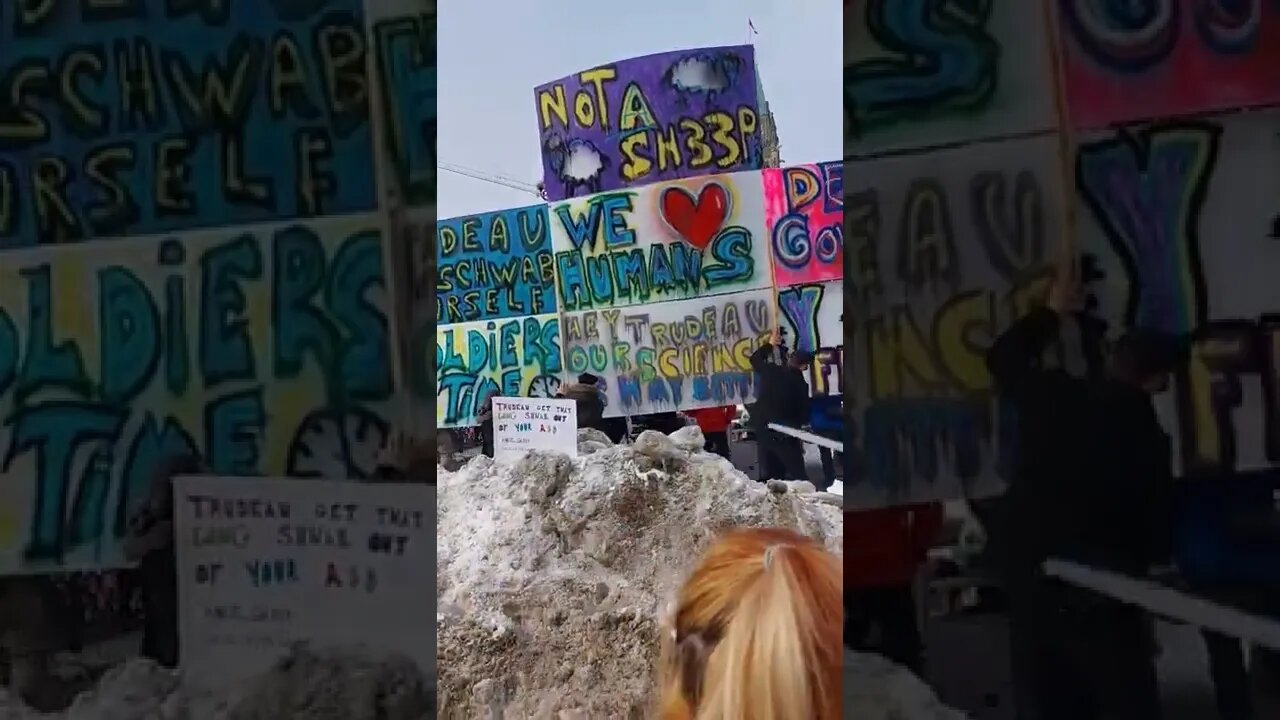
(1127, 62)
(804, 211)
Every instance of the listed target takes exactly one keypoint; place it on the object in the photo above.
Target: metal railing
(808, 437)
(837, 488)
(1164, 601)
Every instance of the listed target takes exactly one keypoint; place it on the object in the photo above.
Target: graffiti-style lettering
(944, 61)
(923, 439)
(804, 208)
(56, 433)
(496, 265)
(930, 410)
(862, 263)
(292, 319)
(518, 357)
(682, 354)
(1224, 354)
(225, 351)
(1134, 37)
(927, 252)
(130, 326)
(619, 248)
(1129, 37)
(233, 426)
(47, 363)
(1146, 191)
(125, 118)
(815, 315)
(363, 354)
(416, 285)
(406, 49)
(647, 119)
(155, 441)
(1133, 61)
(948, 250)
(320, 308)
(1015, 245)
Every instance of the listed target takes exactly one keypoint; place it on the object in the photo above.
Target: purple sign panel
(658, 117)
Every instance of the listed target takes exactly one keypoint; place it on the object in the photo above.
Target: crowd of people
(783, 397)
(1092, 483)
(41, 615)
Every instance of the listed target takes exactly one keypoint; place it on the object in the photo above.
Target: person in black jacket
(150, 543)
(484, 423)
(778, 356)
(782, 397)
(1092, 484)
(615, 427)
(590, 404)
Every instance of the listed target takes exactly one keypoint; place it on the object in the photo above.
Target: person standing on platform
(777, 356)
(615, 427)
(590, 403)
(1092, 484)
(827, 420)
(150, 543)
(782, 397)
(484, 424)
(29, 637)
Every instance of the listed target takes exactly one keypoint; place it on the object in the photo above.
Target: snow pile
(551, 571)
(876, 689)
(307, 685)
(551, 574)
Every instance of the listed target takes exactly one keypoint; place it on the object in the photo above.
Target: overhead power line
(490, 178)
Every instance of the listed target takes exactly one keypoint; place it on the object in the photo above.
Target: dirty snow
(551, 570)
(332, 684)
(876, 689)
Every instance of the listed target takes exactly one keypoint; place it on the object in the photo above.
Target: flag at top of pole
(752, 27)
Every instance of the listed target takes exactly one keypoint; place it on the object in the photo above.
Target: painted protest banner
(515, 357)
(418, 272)
(814, 319)
(945, 249)
(921, 73)
(1180, 221)
(153, 116)
(404, 46)
(495, 265)
(265, 349)
(522, 425)
(265, 563)
(658, 117)
(674, 355)
(1172, 59)
(804, 210)
(667, 241)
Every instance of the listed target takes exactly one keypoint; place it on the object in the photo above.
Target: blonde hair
(756, 632)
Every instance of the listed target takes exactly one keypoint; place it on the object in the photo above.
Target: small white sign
(524, 424)
(264, 564)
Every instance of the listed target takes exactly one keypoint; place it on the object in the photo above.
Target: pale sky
(492, 53)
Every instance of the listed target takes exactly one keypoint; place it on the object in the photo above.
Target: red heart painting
(697, 221)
